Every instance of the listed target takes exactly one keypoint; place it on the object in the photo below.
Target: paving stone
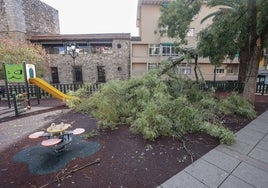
(221, 160)
(249, 136)
(22, 127)
(258, 125)
(252, 175)
(234, 182)
(264, 116)
(240, 147)
(259, 154)
(263, 143)
(243, 164)
(207, 173)
(182, 179)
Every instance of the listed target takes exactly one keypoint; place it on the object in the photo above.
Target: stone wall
(40, 18)
(22, 18)
(12, 18)
(117, 64)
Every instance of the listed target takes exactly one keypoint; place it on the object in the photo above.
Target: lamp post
(73, 51)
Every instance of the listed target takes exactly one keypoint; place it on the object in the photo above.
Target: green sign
(15, 72)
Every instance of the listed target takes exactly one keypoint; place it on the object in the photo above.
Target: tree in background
(237, 26)
(16, 52)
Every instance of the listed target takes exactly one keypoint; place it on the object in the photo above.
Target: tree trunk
(253, 52)
(252, 74)
(243, 63)
(195, 68)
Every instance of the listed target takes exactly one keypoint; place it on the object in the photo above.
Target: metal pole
(7, 87)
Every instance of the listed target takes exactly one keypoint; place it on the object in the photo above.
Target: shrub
(238, 105)
(156, 107)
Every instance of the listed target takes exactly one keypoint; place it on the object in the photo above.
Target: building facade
(104, 57)
(20, 19)
(101, 57)
(151, 48)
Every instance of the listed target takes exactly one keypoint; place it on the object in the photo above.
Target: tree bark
(243, 63)
(195, 67)
(252, 74)
(253, 52)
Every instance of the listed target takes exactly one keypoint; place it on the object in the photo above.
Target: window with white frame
(191, 32)
(168, 50)
(184, 69)
(219, 70)
(154, 49)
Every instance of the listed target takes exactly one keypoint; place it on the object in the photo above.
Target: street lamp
(73, 51)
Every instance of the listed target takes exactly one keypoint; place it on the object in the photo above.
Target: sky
(96, 16)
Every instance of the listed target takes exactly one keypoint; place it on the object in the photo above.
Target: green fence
(35, 92)
(225, 85)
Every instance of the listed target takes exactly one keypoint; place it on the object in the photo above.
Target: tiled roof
(77, 37)
(153, 2)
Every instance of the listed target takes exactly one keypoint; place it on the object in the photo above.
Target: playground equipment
(20, 103)
(26, 73)
(58, 136)
(49, 89)
(16, 73)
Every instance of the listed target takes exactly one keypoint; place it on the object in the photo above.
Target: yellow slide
(49, 88)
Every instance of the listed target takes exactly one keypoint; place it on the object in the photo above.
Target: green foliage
(91, 134)
(225, 135)
(238, 105)
(17, 52)
(177, 17)
(227, 33)
(158, 107)
(235, 27)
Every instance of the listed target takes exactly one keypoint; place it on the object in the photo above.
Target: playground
(123, 159)
(93, 157)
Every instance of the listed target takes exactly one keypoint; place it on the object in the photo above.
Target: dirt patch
(126, 160)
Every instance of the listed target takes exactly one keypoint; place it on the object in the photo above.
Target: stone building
(102, 57)
(20, 19)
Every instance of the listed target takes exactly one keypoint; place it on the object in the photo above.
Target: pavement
(241, 165)
(11, 132)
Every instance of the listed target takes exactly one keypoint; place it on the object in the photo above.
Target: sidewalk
(13, 131)
(242, 165)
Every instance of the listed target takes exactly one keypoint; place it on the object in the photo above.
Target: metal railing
(35, 92)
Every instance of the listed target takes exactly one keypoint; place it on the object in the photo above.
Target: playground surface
(123, 160)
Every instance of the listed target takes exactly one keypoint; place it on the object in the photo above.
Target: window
(191, 32)
(154, 49)
(168, 49)
(54, 75)
(54, 48)
(184, 69)
(95, 47)
(219, 70)
(78, 77)
(101, 74)
(261, 79)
